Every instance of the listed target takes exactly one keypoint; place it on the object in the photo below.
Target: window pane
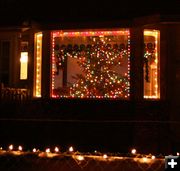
(90, 64)
(151, 64)
(24, 65)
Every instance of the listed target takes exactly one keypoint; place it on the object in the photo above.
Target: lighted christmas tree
(99, 78)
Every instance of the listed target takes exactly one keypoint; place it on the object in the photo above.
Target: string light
(105, 156)
(38, 67)
(48, 150)
(34, 150)
(145, 159)
(20, 148)
(89, 33)
(11, 147)
(56, 149)
(71, 149)
(80, 157)
(153, 157)
(133, 151)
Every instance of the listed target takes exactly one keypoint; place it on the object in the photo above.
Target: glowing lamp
(11, 147)
(80, 158)
(48, 150)
(20, 148)
(153, 157)
(144, 159)
(56, 149)
(71, 149)
(133, 151)
(34, 150)
(105, 156)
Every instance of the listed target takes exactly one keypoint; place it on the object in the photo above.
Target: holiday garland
(77, 51)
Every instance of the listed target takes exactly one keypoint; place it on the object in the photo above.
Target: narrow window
(151, 67)
(24, 66)
(24, 60)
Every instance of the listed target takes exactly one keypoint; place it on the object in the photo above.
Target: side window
(151, 66)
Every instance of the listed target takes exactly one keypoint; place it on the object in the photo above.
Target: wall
(13, 38)
(173, 78)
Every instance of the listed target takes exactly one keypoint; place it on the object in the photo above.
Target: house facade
(70, 52)
(131, 67)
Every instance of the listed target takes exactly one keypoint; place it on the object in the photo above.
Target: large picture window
(151, 64)
(90, 64)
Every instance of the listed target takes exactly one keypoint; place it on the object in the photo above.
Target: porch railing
(14, 94)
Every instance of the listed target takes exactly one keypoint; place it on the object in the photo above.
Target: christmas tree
(98, 78)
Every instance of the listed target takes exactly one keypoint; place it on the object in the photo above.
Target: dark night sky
(87, 10)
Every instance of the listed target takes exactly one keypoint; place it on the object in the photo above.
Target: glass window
(151, 69)
(24, 60)
(24, 66)
(90, 64)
